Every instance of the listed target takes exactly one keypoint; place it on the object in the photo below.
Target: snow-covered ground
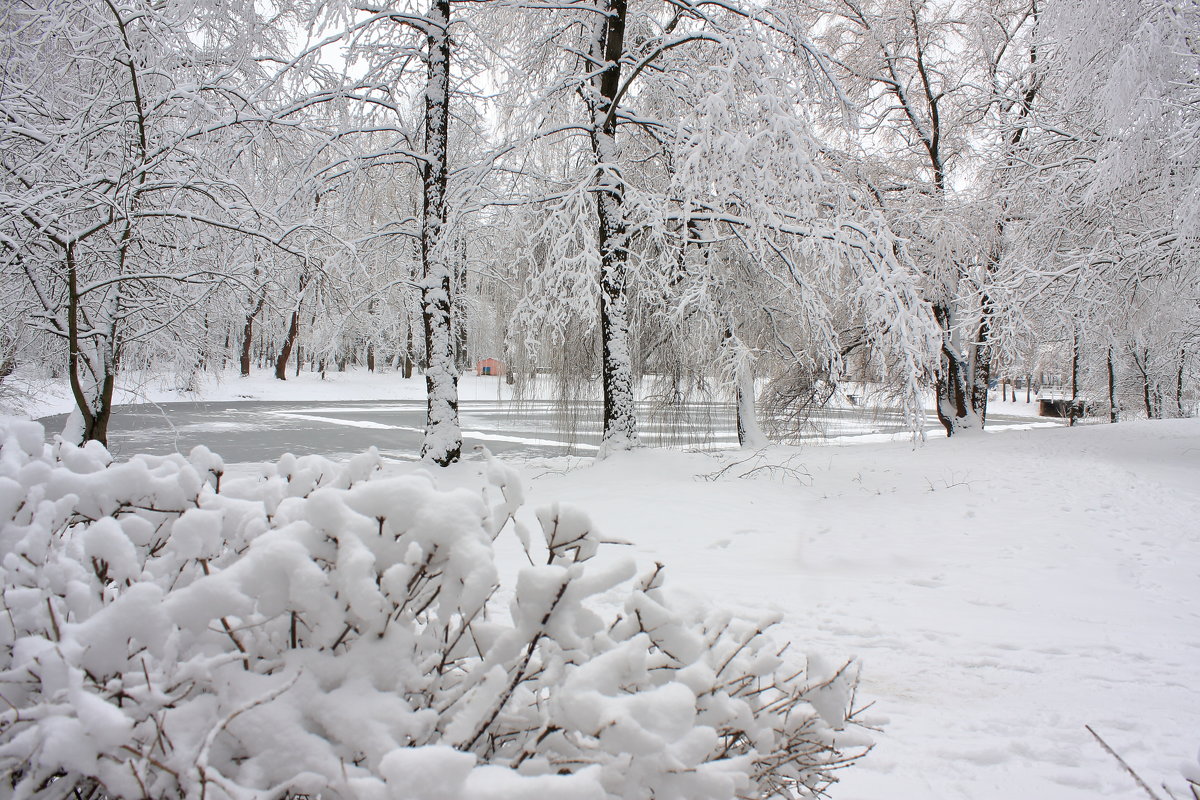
(1001, 591)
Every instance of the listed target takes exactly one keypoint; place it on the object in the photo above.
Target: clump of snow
(319, 628)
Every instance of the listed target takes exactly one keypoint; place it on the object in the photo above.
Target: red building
(489, 366)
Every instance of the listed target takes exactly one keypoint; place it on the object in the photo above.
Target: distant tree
(118, 175)
(931, 79)
(1107, 183)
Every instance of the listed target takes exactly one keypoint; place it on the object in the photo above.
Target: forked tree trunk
(93, 375)
(248, 332)
(443, 437)
(620, 424)
(953, 385)
(288, 343)
(98, 412)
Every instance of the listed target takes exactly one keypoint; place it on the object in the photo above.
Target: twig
(202, 756)
(228, 628)
(53, 621)
(1123, 763)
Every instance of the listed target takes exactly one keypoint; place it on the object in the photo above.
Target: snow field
(1001, 591)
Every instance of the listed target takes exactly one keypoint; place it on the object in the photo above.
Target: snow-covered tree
(1107, 183)
(691, 154)
(124, 122)
(408, 116)
(938, 85)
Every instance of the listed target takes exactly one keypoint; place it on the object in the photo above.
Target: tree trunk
(748, 432)
(406, 363)
(952, 387)
(92, 376)
(1074, 412)
(981, 375)
(1179, 383)
(248, 332)
(620, 424)
(462, 356)
(509, 372)
(1114, 410)
(443, 437)
(1147, 393)
(288, 343)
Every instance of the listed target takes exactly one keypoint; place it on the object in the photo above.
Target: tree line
(933, 194)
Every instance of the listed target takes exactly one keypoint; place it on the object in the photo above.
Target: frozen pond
(263, 430)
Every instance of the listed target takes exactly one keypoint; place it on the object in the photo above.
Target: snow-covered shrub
(321, 629)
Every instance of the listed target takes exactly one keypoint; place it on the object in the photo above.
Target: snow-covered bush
(322, 629)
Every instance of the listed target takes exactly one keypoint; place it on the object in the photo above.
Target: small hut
(489, 366)
(1058, 403)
